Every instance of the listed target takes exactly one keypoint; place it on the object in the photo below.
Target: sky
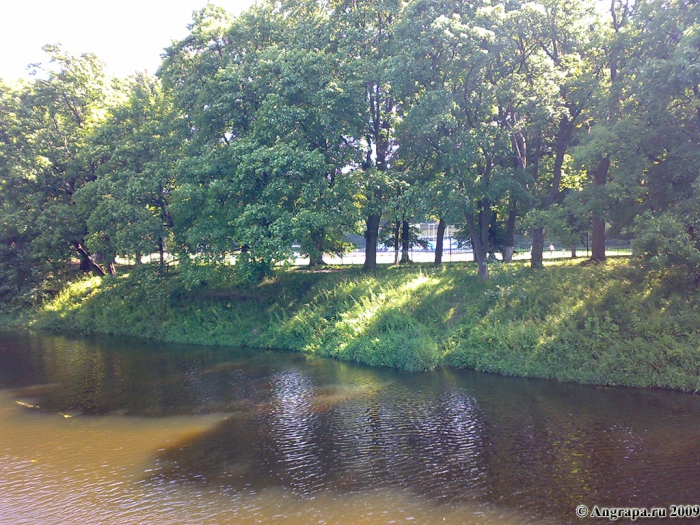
(128, 35)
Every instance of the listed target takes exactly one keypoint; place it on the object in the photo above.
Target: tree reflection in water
(315, 428)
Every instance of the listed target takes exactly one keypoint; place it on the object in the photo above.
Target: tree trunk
(508, 254)
(566, 128)
(405, 243)
(479, 243)
(573, 251)
(379, 132)
(319, 257)
(520, 155)
(316, 255)
(161, 253)
(493, 228)
(371, 235)
(438, 242)
(87, 263)
(509, 245)
(111, 269)
(397, 241)
(598, 241)
(316, 259)
(537, 248)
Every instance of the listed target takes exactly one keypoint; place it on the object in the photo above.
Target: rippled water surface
(120, 431)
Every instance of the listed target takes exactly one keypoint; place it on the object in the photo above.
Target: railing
(453, 252)
(583, 248)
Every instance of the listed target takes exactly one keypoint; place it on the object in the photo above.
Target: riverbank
(571, 321)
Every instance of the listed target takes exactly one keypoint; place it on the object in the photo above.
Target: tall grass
(607, 325)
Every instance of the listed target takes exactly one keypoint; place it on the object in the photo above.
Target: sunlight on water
(55, 469)
(121, 431)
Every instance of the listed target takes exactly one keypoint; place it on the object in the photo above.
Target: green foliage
(663, 243)
(44, 126)
(127, 205)
(269, 127)
(292, 125)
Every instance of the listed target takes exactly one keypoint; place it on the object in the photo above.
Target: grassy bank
(607, 325)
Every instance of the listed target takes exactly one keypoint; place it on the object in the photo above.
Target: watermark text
(635, 513)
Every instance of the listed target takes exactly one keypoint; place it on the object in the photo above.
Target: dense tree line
(296, 123)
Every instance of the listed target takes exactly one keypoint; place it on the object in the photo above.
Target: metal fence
(583, 248)
(453, 251)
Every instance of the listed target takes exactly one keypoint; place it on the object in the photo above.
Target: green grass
(607, 325)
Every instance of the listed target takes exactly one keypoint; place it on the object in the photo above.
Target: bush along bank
(605, 325)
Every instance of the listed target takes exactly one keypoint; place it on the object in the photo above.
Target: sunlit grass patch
(72, 295)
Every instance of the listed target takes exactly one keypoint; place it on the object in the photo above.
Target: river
(123, 431)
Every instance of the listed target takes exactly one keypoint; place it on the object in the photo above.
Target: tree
(18, 269)
(45, 166)
(564, 53)
(459, 122)
(657, 136)
(268, 141)
(364, 31)
(128, 204)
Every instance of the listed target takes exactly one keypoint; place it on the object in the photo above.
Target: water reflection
(308, 430)
(294, 432)
(112, 375)
(364, 442)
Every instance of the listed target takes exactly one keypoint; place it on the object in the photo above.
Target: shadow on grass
(603, 324)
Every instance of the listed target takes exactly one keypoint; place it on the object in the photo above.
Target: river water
(122, 431)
